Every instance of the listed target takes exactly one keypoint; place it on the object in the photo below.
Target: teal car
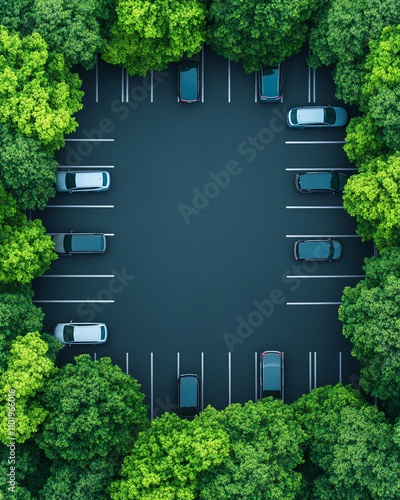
(270, 83)
(188, 395)
(318, 249)
(188, 81)
(320, 182)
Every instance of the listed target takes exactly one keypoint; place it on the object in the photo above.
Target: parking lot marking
(314, 207)
(229, 80)
(255, 86)
(122, 85)
(316, 169)
(178, 362)
(202, 382)
(77, 276)
(312, 371)
(89, 140)
(83, 167)
(309, 372)
(78, 301)
(323, 236)
(313, 303)
(229, 378)
(295, 276)
(340, 367)
(202, 74)
(315, 369)
(315, 142)
(94, 356)
(127, 86)
(255, 376)
(314, 78)
(127, 363)
(79, 206)
(151, 387)
(97, 78)
(151, 85)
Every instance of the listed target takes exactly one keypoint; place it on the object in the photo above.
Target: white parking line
(127, 86)
(89, 140)
(202, 74)
(151, 387)
(127, 363)
(295, 276)
(255, 86)
(79, 206)
(323, 236)
(314, 75)
(94, 356)
(151, 85)
(314, 207)
(79, 301)
(309, 372)
(97, 78)
(178, 359)
(229, 378)
(83, 167)
(229, 80)
(313, 303)
(122, 84)
(315, 369)
(312, 371)
(77, 276)
(340, 367)
(315, 142)
(309, 79)
(316, 169)
(255, 376)
(202, 382)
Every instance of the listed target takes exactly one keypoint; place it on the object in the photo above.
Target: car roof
(87, 242)
(310, 115)
(88, 179)
(188, 390)
(188, 80)
(86, 333)
(272, 363)
(270, 81)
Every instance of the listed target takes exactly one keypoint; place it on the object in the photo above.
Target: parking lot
(199, 274)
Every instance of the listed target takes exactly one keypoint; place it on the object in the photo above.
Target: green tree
(373, 197)
(38, 94)
(94, 410)
(168, 458)
(28, 368)
(351, 448)
(370, 314)
(26, 169)
(150, 35)
(17, 16)
(265, 450)
(18, 315)
(341, 36)
(381, 90)
(257, 32)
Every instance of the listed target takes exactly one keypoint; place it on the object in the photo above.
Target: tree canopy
(370, 314)
(38, 94)
(150, 35)
(258, 32)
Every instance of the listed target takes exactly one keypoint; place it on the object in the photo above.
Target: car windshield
(335, 181)
(104, 179)
(70, 180)
(102, 333)
(293, 116)
(329, 116)
(68, 333)
(68, 243)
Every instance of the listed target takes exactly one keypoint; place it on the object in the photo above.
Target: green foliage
(28, 368)
(381, 91)
(342, 36)
(16, 15)
(257, 32)
(26, 169)
(265, 450)
(351, 447)
(150, 35)
(38, 94)
(93, 408)
(169, 456)
(370, 314)
(373, 197)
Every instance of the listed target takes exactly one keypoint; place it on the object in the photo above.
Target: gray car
(318, 249)
(82, 181)
(75, 243)
(81, 333)
(316, 116)
(320, 182)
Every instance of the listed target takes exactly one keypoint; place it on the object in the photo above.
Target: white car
(316, 116)
(73, 182)
(81, 333)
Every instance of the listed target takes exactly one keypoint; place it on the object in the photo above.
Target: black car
(318, 249)
(189, 80)
(188, 395)
(272, 382)
(320, 182)
(270, 83)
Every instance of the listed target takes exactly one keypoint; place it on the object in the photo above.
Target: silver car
(316, 116)
(72, 182)
(81, 333)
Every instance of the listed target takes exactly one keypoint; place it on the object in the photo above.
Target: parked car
(189, 80)
(272, 381)
(318, 249)
(188, 395)
(71, 243)
(320, 182)
(81, 333)
(316, 116)
(270, 83)
(72, 182)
